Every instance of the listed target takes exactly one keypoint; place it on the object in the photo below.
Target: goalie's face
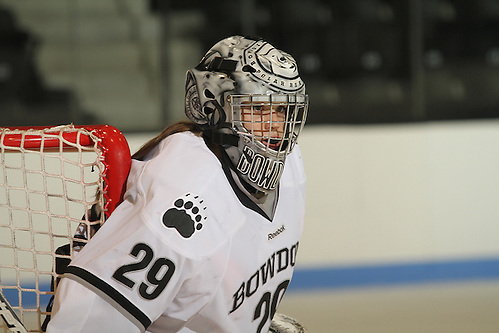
(271, 122)
(265, 122)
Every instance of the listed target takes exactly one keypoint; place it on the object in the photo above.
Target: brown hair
(181, 126)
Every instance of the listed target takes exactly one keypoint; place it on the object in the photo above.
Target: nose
(274, 121)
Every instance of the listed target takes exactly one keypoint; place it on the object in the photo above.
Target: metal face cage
(272, 122)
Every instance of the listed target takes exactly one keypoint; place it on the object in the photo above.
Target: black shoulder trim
(113, 294)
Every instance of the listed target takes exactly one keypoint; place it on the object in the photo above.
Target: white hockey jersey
(184, 252)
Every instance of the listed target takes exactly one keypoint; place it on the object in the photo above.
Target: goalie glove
(284, 324)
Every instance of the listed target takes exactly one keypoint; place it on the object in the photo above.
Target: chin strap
(220, 138)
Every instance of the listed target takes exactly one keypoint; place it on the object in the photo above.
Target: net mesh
(49, 180)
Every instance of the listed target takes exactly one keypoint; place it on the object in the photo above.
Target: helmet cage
(269, 122)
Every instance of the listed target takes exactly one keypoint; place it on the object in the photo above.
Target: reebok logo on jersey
(276, 233)
(186, 215)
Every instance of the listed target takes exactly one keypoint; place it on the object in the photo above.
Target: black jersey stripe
(112, 293)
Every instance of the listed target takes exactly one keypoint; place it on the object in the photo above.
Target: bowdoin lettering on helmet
(259, 169)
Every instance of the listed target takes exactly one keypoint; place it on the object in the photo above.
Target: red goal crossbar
(112, 143)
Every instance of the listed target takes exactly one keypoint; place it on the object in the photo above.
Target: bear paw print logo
(186, 216)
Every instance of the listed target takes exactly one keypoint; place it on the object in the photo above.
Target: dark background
(364, 61)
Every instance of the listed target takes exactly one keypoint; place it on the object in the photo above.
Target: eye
(281, 109)
(258, 108)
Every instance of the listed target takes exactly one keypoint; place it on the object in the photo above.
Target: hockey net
(51, 179)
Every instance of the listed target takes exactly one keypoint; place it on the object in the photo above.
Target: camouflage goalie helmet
(249, 97)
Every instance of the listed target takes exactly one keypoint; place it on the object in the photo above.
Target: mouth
(274, 144)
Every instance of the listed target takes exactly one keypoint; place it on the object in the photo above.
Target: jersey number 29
(154, 284)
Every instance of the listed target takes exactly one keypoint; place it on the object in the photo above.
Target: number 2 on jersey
(154, 284)
(267, 306)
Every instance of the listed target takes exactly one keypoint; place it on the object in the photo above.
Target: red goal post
(50, 178)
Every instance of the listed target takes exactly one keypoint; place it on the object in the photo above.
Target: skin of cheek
(261, 125)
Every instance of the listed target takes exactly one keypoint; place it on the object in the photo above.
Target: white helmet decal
(276, 68)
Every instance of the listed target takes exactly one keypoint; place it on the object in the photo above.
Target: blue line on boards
(350, 277)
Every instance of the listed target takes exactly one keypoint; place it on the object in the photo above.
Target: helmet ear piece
(204, 96)
(193, 108)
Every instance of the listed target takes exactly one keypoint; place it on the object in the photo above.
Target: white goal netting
(49, 181)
